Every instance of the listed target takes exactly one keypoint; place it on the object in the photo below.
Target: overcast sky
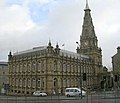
(25, 24)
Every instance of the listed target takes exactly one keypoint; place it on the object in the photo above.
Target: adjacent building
(3, 76)
(116, 62)
(116, 68)
(50, 69)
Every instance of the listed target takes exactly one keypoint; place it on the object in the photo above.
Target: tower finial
(87, 6)
(49, 42)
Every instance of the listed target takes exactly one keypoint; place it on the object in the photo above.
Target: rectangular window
(24, 82)
(64, 67)
(60, 69)
(16, 82)
(13, 69)
(39, 64)
(64, 82)
(24, 67)
(33, 83)
(68, 67)
(38, 83)
(42, 84)
(71, 68)
(20, 82)
(29, 83)
(75, 67)
(17, 68)
(29, 67)
(20, 68)
(68, 82)
(13, 82)
(78, 69)
(43, 66)
(34, 67)
(10, 70)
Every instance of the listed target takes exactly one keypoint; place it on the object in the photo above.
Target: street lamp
(80, 71)
(78, 47)
(78, 44)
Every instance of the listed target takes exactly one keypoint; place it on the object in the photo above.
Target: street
(101, 97)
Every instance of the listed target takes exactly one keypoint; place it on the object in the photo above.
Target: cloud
(44, 1)
(15, 20)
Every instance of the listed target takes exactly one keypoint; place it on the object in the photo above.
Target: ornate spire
(57, 49)
(57, 46)
(49, 44)
(88, 28)
(87, 6)
(88, 39)
(10, 55)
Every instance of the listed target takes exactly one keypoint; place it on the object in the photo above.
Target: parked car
(74, 92)
(38, 93)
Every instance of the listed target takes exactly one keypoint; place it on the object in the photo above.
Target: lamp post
(78, 44)
(80, 72)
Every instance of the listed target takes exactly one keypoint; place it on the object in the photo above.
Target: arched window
(20, 68)
(59, 82)
(43, 83)
(39, 66)
(34, 67)
(43, 66)
(29, 82)
(72, 82)
(13, 68)
(68, 82)
(13, 81)
(29, 67)
(38, 83)
(10, 68)
(16, 82)
(17, 68)
(33, 83)
(75, 68)
(60, 68)
(64, 82)
(72, 68)
(64, 67)
(68, 67)
(24, 82)
(78, 69)
(24, 67)
(20, 82)
(55, 65)
(55, 80)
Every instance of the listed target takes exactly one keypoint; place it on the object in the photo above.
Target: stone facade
(49, 70)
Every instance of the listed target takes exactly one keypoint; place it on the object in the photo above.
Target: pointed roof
(88, 38)
(88, 27)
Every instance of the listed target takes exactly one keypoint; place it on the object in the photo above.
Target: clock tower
(89, 43)
(88, 38)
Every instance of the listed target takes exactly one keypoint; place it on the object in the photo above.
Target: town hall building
(51, 69)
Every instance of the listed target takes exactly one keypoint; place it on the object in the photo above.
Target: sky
(25, 24)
